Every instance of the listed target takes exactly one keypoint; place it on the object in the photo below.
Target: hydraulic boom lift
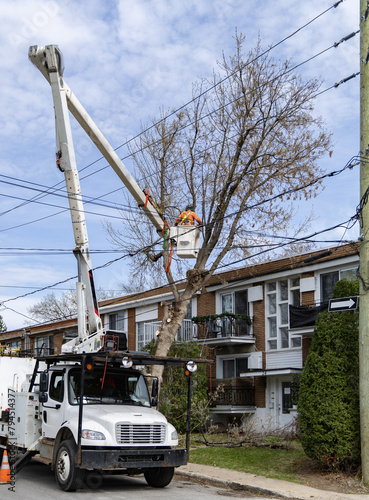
(49, 60)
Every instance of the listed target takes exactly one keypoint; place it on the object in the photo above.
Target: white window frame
(149, 329)
(43, 340)
(228, 357)
(121, 320)
(277, 300)
(341, 272)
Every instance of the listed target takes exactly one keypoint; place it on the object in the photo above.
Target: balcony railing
(226, 327)
(234, 396)
(187, 332)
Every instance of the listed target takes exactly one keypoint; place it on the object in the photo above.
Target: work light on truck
(127, 362)
(191, 367)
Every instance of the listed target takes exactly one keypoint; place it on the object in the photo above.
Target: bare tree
(53, 308)
(231, 153)
(57, 308)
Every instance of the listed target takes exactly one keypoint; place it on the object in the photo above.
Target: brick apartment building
(255, 363)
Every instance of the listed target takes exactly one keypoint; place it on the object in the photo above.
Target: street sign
(343, 304)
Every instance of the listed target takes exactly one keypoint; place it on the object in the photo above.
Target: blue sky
(125, 60)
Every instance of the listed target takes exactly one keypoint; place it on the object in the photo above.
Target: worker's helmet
(189, 207)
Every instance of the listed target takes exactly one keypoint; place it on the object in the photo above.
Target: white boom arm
(67, 163)
(41, 57)
(49, 61)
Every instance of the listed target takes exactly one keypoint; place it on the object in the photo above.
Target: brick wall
(258, 317)
(260, 392)
(206, 303)
(132, 329)
(58, 341)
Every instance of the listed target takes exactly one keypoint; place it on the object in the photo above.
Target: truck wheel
(159, 476)
(68, 476)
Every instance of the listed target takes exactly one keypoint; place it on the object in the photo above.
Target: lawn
(274, 463)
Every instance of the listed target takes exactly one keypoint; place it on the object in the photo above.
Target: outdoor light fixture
(127, 362)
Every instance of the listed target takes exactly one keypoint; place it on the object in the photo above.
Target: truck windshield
(119, 387)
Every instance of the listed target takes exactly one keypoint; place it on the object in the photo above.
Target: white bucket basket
(187, 239)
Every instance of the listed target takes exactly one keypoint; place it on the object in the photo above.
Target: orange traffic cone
(5, 469)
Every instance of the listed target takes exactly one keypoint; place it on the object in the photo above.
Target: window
(329, 280)
(280, 294)
(16, 344)
(44, 345)
(233, 367)
(56, 390)
(116, 321)
(145, 333)
(236, 303)
(327, 284)
(109, 386)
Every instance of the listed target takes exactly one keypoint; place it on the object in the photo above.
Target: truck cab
(97, 415)
(117, 408)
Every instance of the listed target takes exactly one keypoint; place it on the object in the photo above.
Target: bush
(328, 405)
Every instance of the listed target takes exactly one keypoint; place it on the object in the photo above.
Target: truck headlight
(174, 435)
(89, 434)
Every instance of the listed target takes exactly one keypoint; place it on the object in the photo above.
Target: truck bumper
(114, 459)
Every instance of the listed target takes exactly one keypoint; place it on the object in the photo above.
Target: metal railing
(187, 332)
(227, 327)
(234, 396)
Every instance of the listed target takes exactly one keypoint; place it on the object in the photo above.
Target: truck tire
(159, 477)
(68, 476)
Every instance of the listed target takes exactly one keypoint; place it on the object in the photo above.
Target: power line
(335, 5)
(349, 165)
(173, 165)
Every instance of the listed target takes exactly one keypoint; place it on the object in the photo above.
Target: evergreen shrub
(328, 405)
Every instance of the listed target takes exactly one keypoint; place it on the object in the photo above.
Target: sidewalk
(259, 484)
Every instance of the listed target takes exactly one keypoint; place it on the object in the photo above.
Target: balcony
(220, 329)
(231, 399)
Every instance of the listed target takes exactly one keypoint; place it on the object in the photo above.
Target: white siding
(147, 313)
(284, 359)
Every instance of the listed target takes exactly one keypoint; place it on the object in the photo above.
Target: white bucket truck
(86, 415)
(87, 409)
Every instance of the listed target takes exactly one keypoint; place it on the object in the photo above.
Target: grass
(267, 462)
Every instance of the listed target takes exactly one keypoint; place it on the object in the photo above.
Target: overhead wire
(113, 191)
(352, 219)
(335, 5)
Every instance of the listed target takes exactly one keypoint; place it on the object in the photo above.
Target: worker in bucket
(188, 217)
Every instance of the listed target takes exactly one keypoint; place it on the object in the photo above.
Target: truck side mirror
(154, 391)
(44, 381)
(155, 388)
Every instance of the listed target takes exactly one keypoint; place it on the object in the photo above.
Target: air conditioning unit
(255, 361)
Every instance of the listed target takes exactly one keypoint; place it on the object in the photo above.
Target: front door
(285, 404)
(53, 409)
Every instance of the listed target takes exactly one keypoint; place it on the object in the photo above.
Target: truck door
(53, 410)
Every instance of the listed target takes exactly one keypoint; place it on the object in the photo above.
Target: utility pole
(364, 244)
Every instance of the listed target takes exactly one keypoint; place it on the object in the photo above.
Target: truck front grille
(140, 433)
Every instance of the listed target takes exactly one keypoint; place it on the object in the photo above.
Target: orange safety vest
(188, 218)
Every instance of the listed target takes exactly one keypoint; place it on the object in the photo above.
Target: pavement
(218, 476)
